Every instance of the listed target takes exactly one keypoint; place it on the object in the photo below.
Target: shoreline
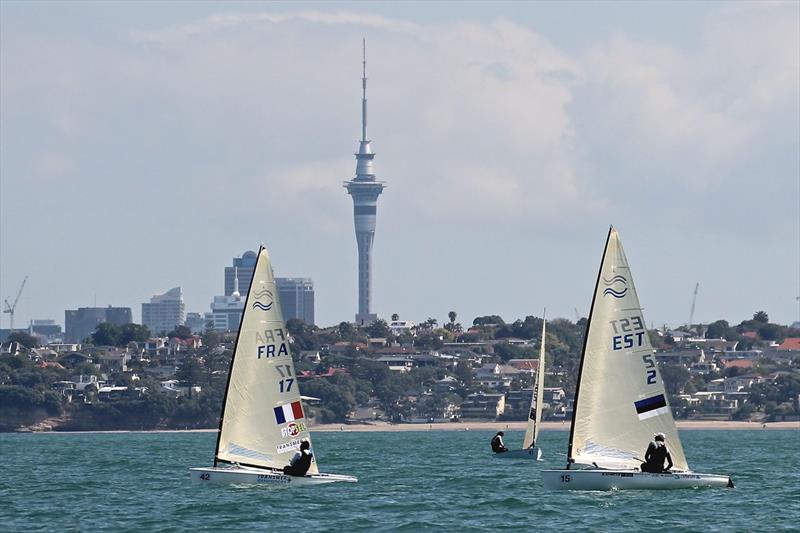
(477, 425)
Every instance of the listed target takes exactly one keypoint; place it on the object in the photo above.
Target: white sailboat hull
(628, 480)
(534, 453)
(262, 477)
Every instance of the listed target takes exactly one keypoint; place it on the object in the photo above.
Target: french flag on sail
(650, 407)
(289, 412)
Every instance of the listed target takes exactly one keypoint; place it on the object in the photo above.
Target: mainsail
(263, 421)
(535, 415)
(620, 401)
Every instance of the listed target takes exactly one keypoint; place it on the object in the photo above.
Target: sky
(143, 145)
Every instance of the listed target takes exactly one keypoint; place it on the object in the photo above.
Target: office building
(164, 312)
(80, 323)
(297, 298)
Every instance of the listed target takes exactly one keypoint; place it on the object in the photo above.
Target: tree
(301, 334)
(132, 333)
(346, 331)
(395, 317)
(761, 316)
(105, 334)
(675, 378)
(452, 316)
(379, 329)
(190, 371)
(181, 331)
(488, 320)
(28, 341)
(720, 330)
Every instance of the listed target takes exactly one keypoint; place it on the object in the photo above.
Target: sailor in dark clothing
(657, 453)
(497, 443)
(301, 461)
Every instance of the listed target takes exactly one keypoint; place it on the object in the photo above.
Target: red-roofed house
(526, 365)
(750, 335)
(739, 363)
(790, 344)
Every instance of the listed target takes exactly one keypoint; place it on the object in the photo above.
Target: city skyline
(512, 141)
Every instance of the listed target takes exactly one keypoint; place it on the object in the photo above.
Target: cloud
(236, 125)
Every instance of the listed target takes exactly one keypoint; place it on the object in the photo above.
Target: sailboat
(263, 420)
(529, 448)
(620, 401)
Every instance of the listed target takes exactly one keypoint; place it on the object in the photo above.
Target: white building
(164, 312)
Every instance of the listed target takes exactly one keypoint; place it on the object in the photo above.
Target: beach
(546, 426)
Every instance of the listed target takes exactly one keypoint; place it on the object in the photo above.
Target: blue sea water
(408, 481)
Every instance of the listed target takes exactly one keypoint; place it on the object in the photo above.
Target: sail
(537, 400)
(620, 401)
(263, 420)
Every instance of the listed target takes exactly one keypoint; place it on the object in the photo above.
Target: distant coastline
(683, 425)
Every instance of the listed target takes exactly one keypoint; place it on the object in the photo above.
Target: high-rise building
(365, 191)
(196, 322)
(164, 312)
(80, 323)
(47, 330)
(226, 311)
(297, 298)
(243, 267)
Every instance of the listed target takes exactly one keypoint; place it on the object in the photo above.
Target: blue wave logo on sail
(267, 298)
(616, 286)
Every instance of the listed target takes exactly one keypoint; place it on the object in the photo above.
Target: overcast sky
(144, 145)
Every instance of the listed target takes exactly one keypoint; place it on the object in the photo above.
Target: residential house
(483, 405)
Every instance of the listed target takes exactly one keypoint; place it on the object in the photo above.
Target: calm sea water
(407, 481)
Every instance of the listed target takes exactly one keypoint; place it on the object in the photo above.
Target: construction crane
(10, 308)
(694, 301)
(577, 316)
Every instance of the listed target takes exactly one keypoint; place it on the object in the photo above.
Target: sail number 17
(286, 384)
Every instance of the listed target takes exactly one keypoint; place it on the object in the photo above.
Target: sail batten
(263, 420)
(620, 398)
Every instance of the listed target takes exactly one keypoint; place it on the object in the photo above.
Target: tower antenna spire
(364, 89)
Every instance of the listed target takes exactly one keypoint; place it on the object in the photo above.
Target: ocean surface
(408, 481)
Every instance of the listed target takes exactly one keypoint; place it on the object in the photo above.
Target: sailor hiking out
(657, 453)
(301, 461)
(497, 443)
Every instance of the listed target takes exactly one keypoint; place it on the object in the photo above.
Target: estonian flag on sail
(289, 412)
(650, 407)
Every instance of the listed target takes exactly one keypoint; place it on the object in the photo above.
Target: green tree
(488, 320)
(132, 333)
(106, 334)
(190, 371)
(181, 331)
(675, 378)
(761, 316)
(302, 334)
(379, 329)
(720, 330)
(395, 317)
(26, 340)
(346, 331)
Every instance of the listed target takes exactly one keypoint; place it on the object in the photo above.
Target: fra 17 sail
(263, 419)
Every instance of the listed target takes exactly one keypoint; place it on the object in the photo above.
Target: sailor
(301, 461)
(657, 452)
(497, 443)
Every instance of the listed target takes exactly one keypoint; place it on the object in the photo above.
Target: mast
(583, 352)
(233, 356)
(539, 389)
